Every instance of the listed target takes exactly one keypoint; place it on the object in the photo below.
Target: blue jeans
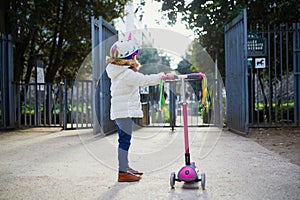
(125, 127)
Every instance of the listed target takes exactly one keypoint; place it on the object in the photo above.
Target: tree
(152, 62)
(58, 32)
(184, 67)
(208, 18)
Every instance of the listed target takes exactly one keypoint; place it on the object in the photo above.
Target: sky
(152, 14)
(171, 39)
(175, 41)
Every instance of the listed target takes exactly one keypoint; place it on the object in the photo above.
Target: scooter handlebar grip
(195, 75)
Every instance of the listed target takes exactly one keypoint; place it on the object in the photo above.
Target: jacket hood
(115, 70)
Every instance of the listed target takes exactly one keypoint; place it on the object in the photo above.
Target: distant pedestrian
(122, 69)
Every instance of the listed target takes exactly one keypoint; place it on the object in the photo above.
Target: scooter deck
(191, 185)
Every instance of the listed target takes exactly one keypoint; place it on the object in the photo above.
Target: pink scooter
(188, 173)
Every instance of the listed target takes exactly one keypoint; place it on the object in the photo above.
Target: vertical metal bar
(281, 75)
(77, 106)
(197, 98)
(38, 105)
(11, 95)
(91, 104)
(270, 76)
(25, 104)
(3, 79)
(72, 107)
(275, 73)
(1, 84)
(60, 105)
(53, 103)
(263, 78)
(82, 102)
(296, 70)
(35, 97)
(1, 88)
(252, 85)
(87, 118)
(18, 103)
(198, 102)
(96, 27)
(49, 105)
(65, 104)
(56, 103)
(30, 104)
(245, 64)
(86, 95)
(257, 101)
(45, 105)
(287, 73)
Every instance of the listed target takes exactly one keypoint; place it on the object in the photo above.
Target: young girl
(122, 69)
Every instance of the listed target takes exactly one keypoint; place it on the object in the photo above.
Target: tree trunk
(57, 54)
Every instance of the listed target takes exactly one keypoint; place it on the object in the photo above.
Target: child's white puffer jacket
(125, 100)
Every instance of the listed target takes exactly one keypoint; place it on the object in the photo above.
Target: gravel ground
(284, 141)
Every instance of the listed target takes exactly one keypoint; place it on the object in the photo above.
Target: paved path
(46, 164)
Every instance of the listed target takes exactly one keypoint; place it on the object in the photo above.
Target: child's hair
(123, 62)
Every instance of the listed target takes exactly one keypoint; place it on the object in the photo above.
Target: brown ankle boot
(135, 171)
(128, 177)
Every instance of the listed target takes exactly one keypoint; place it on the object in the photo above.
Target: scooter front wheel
(172, 180)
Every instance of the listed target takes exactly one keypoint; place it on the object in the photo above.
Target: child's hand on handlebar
(169, 76)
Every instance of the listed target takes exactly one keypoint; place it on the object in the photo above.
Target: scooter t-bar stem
(182, 77)
(185, 124)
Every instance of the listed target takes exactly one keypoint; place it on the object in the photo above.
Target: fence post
(7, 116)
(11, 95)
(296, 63)
(172, 93)
(65, 104)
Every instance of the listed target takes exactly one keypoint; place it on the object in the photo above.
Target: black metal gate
(274, 75)
(262, 74)
(7, 100)
(78, 98)
(103, 36)
(171, 114)
(236, 74)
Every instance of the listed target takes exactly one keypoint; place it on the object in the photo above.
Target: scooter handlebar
(185, 76)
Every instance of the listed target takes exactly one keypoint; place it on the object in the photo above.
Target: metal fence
(171, 114)
(67, 105)
(274, 77)
(38, 104)
(78, 107)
